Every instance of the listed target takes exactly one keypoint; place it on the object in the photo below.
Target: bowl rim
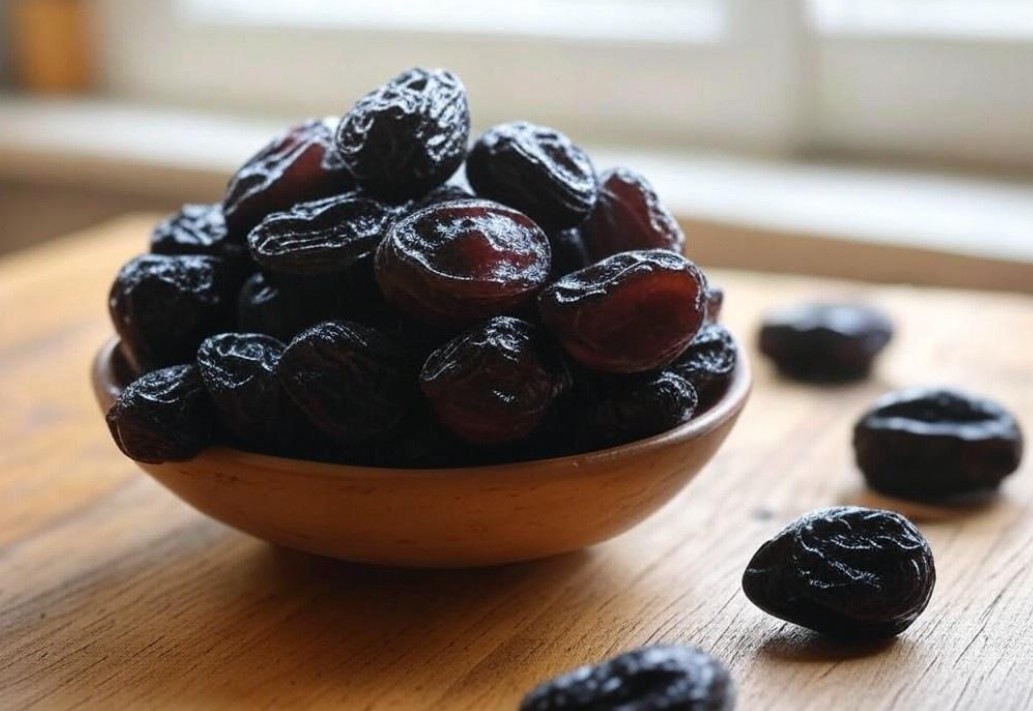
(107, 386)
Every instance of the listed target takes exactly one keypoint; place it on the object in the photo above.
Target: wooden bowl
(460, 517)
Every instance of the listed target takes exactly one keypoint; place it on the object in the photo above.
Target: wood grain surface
(114, 594)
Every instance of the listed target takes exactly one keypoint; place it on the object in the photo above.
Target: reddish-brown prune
(628, 216)
(568, 253)
(351, 381)
(320, 237)
(708, 363)
(715, 300)
(163, 306)
(457, 263)
(299, 165)
(845, 572)
(495, 382)
(408, 136)
(197, 229)
(934, 443)
(536, 170)
(633, 408)
(163, 416)
(825, 342)
(655, 678)
(632, 312)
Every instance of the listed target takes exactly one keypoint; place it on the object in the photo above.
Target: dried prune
(448, 192)
(495, 382)
(459, 262)
(656, 678)
(536, 170)
(320, 237)
(631, 312)
(634, 407)
(197, 229)
(419, 441)
(715, 300)
(845, 572)
(408, 136)
(708, 363)
(825, 342)
(568, 253)
(351, 381)
(299, 165)
(163, 416)
(164, 306)
(933, 443)
(628, 216)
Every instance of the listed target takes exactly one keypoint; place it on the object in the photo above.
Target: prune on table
(535, 170)
(934, 443)
(845, 571)
(629, 216)
(495, 382)
(163, 306)
(715, 300)
(656, 678)
(163, 416)
(299, 165)
(633, 408)
(457, 263)
(825, 342)
(197, 229)
(320, 237)
(568, 253)
(408, 136)
(708, 363)
(631, 312)
(351, 381)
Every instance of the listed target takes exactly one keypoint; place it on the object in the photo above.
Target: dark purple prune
(932, 443)
(633, 408)
(629, 216)
(164, 306)
(460, 262)
(844, 572)
(449, 192)
(351, 381)
(536, 170)
(568, 253)
(495, 382)
(655, 678)
(715, 300)
(282, 306)
(299, 165)
(320, 237)
(197, 229)
(419, 441)
(163, 416)
(708, 363)
(629, 313)
(408, 136)
(824, 342)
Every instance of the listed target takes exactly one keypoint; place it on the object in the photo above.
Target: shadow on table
(794, 644)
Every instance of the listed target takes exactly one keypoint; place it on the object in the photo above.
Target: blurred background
(889, 140)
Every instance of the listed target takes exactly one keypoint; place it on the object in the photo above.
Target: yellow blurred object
(51, 43)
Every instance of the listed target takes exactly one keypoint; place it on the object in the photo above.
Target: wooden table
(113, 594)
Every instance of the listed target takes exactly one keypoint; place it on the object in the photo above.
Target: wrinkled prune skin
(825, 342)
(408, 136)
(655, 678)
(708, 363)
(457, 263)
(845, 571)
(715, 300)
(535, 170)
(632, 312)
(299, 165)
(197, 229)
(320, 237)
(495, 382)
(633, 408)
(568, 253)
(163, 416)
(628, 216)
(163, 306)
(351, 381)
(935, 443)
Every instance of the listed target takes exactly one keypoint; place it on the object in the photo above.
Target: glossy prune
(299, 165)
(163, 306)
(708, 363)
(633, 408)
(825, 342)
(495, 382)
(568, 253)
(535, 170)
(163, 416)
(715, 301)
(197, 229)
(933, 443)
(628, 216)
(408, 136)
(655, 678)
(351, 381)
(457, 263)
(844, 572)
(632, 312)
